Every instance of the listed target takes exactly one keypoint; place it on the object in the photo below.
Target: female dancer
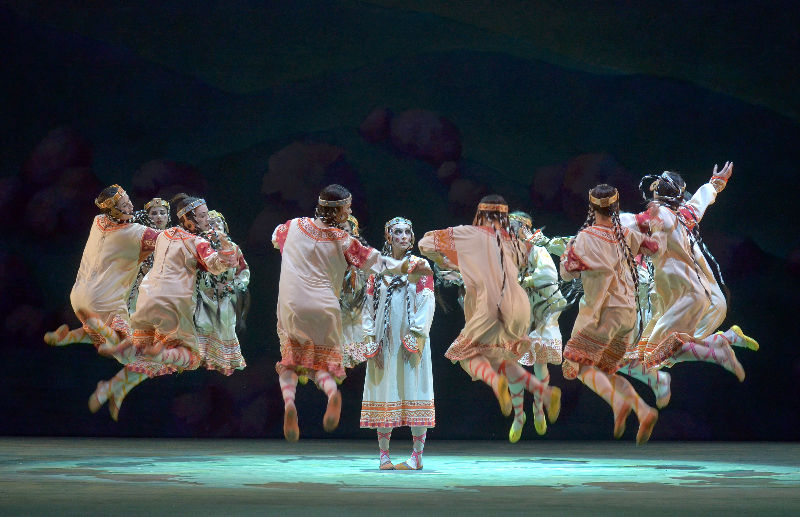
(164, 334)
(692, 303)
(155, 215)
(351, 303)
(110, 261)
(315, 254)
(215, 316)
(398, 387)
(602, 255)
(496, 308)
(539, 278)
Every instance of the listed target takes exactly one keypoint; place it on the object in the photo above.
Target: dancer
(110, 261)
(691, 300)
(315, 254)
(155, 215)
(496, 308)
(602, 254)
(539, 278)
(215, 316)
(398, 387)
(164, 334)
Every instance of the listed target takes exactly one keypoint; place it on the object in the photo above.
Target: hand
(719, 179)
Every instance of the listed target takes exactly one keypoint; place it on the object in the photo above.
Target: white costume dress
(546, 301)
(398, 387)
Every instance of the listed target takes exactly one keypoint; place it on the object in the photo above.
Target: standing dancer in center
(315, 254)
(398, 387)
(602, 254)
(496, 307)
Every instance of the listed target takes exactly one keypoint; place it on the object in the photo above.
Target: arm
(422, 318)
(215, 262)
(440, 247)
(279, 235)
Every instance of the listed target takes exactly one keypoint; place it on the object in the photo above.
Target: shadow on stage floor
(87, 476)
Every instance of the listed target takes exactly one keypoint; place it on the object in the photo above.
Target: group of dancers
(161, 300)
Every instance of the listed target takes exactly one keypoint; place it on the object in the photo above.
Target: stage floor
(86, 476)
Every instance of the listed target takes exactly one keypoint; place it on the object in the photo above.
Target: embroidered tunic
(606, 322)
(215, 316)
(546, 301)
(313, 263)
(399, 392)
(691, 302)
(474, 251)
(166, 305)
(107, 271)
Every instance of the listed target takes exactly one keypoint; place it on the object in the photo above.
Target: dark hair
(670, 188)
(329, 214)
(179, 201)
(105, 194)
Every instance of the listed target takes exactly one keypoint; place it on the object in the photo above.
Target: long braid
(628, 254)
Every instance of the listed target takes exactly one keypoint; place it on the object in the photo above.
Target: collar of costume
(604, 201)
(110, 202)
(191, 206)
(339, 202)
(156, 201)
(493, 207)
(521, 218)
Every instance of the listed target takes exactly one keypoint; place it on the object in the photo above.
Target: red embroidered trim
(426, 282)
(280, 234)
(643, 222)
(313, 231)
(357, 254)
(107, 225)
(573, 263)
(444, 243)
(371, 285)
(605, 234)
(689, 215)
(650, 244)
(177, 234)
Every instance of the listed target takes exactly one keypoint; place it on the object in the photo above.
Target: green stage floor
(85, 476)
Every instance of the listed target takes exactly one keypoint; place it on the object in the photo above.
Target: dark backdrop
(419, 108)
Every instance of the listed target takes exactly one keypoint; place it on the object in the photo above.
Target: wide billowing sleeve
(424, 306)
(574, 259)
(440, 247)
(215, 262)
(368, 312)
(279, 235)
(147, 241)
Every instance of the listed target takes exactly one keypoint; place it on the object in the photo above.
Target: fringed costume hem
(662, 355)
(417, 413)
(224, 356)
(464, 348)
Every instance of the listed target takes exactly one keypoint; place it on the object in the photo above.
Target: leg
(722, 356)
(539, 403)
(479, 367)
(121, 384)
(733, 337)
(647, 416)
(288, 381)
(64, 336)
(327, 384)
(415, 461)
(384, 435)
(517, 391)
(518, 374)
(656, 380)
(598, 382)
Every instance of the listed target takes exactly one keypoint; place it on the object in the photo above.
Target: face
(217, 224)
(124, 204)
(200, 219)
(159, 216)
(401, 237)
(344, 213)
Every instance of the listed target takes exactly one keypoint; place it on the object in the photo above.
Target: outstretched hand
(720, 178)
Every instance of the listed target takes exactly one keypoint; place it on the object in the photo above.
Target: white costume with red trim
(165, 308)
(107, 271)
(690, 300)
(314, 259)
(546, 302)
(398, 386)
(474, 251)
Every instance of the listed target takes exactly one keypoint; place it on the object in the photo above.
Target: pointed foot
(619, 419)
(554, 408)
(331, 419)
(747, 341)
(646, 427)
(503, 395)
(291, 431)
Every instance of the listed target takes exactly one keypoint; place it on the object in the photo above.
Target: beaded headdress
(156, 201)
(191, 206)
(604, 201)
(336, 203)
(493, 207)
(110, 202)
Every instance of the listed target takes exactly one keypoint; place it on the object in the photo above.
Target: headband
(339, 202)
(604, 201)
(110, 202)
(191, 206)
(396, 221)
(156, 201)
(493, 207)
(521, 218)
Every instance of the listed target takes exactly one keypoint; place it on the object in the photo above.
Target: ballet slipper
(405, 466)
(503, 395)
(554, 407)
(646, 426)
(539, 423)
(620, 417)
(291, 431)
(733, 365)
(515, 433)
(99, 397)
(331, 419)
(663, 395)
(56, 337)
(749, 342)
(386, 465)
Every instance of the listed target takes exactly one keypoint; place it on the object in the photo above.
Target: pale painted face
(217, 224)
(401, 237)
(200, 219)
(124, 204)
(159, 215)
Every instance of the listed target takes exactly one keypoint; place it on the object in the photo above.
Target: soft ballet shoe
(554, 407)
(515, 433)
(646, 427)
(291, 431)
(99, 397)
(503, 395)
(663, 397)
(620, 418)
(57, 337)
(331, 419)
(386, 465)
(749, 342)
